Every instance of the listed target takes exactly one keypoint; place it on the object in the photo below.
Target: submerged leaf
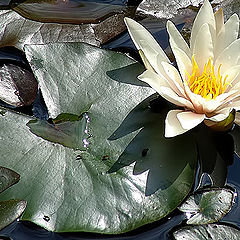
(70, 11)
(208, 205)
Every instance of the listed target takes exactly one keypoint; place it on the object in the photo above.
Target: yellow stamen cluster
(207, 84)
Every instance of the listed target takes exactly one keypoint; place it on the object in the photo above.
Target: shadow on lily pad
(126, 73)
(216, 153)
(163, 158)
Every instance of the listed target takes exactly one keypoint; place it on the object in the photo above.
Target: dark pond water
(159, 230)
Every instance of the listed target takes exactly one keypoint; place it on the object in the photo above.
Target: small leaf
(208, 205)
(7, 178)
(10, 210)
(69, 130)
(207, 232)
(17, 86)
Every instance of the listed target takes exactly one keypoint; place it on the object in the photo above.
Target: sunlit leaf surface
(207, 232)
(208, 205)
(17, 31)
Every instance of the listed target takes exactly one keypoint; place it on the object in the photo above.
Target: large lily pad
(70, 190)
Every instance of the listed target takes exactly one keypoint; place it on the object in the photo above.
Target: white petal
(164, 89)
(196, 99)
(236, 83)
(226, 96)
(174, 78)
(219, 20)
(190, 119)
(229, 56)
(138, 33)
(221, 116)
(227, 35)
(183, 61)
(232, 77)
(205, 15)
(237, 118)
(232, 101)
(146, 63)
(235, 105)
(152, 56)
(153, 79)
(176, 39)
(218, 103)
(203, 47)
(172, 124)
(210, 106)
(172, 97)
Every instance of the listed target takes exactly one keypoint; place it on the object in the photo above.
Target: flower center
(208, 84)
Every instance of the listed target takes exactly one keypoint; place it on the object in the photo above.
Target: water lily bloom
(207, 83)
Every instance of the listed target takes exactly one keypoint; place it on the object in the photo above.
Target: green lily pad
(10, 210)
(68, 189)
(207, 232)
(208, 205)
(7, 178)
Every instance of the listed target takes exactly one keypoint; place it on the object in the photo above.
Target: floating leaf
(69, 190)
(10, 210)
(18, 31)
(208, 205)
(4, 4)
(164, 9)
(210, 232)
(7, 178)
(70, 11)
(18, 86)
(67, 129)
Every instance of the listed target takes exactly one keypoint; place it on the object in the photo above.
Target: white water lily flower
(207, 85)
